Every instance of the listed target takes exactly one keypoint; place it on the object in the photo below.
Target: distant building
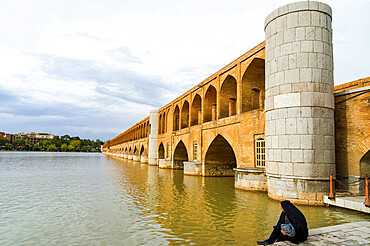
(34, 138)
(8, 136)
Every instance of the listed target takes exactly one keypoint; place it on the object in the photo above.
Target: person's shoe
(263, 242)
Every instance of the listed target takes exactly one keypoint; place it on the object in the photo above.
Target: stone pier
(299, 109)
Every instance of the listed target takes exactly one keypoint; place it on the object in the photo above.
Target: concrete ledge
(250, 178)
(153, 161)
(192, 168)
(136, 158)
(165, 163)
(352, 202)
(144, 159)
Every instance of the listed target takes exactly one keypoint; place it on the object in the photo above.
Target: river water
(94, 199)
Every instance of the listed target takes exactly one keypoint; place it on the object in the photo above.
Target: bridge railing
(356, 182)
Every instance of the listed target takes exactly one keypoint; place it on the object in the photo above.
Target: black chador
(292, 226)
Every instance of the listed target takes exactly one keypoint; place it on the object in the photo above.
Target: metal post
(367, 200)
(331, 194)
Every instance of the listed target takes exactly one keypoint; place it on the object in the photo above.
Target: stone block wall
(299, 107)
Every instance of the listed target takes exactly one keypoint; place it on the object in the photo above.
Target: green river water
(94, 199)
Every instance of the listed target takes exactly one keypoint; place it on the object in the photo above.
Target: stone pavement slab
(356, 233)
(354, 203)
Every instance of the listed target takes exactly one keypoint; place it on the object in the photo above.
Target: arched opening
(196, 110)
(142, 150)
(210, 104)
(129, 151)
(135, 150)
(176, 118)
(220, 159)
(180, 155)
(365, 164)
(228, 97)
(126, 150)
(253, 85)
(255, 98)
(161, 151)
(160, 123)
(164, 125)
(185, 115)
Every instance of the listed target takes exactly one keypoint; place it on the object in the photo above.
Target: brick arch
(196, 110)
(164, 122)
(176, 118)
(180, 154)
(185, 114)
(253, 85)
(160, 124)
(220, 150)
(210, 101)
(228, 97)
(161, 151)
(143, 150)
(363, 150)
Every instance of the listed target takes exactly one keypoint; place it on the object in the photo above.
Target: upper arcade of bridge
(219, 96)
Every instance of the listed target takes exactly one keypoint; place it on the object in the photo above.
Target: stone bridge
(267, 117)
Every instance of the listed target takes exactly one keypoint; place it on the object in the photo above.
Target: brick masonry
(292, 107)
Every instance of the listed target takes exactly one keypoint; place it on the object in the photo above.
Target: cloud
(96, 68)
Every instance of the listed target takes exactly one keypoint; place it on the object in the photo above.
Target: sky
(93, 68)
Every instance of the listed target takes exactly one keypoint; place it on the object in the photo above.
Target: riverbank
(356, 233)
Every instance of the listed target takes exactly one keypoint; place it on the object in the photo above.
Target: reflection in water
(209, 210)
(93, 199)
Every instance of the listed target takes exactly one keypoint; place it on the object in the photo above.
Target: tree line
(64, 144)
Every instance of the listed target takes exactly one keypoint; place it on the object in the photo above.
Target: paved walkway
(357, 233)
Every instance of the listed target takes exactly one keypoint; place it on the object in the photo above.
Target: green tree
(64, 147)
(19, 142)
(28, 145)
(70, 148)
(65, 138)
(8, 146)
(51, 147)
(75, 143)
(44, 143)
(3, 141)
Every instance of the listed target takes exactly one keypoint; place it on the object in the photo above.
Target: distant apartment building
(8, 136)
(33, 137)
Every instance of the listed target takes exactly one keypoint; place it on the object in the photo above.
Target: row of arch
(140, 131)
(219, 151)
(214, 105)
(253, 87)
(131, 150)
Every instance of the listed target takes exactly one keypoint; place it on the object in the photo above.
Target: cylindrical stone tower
(153, 138)
(299, 106)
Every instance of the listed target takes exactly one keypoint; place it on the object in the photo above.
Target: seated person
(292, 226)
